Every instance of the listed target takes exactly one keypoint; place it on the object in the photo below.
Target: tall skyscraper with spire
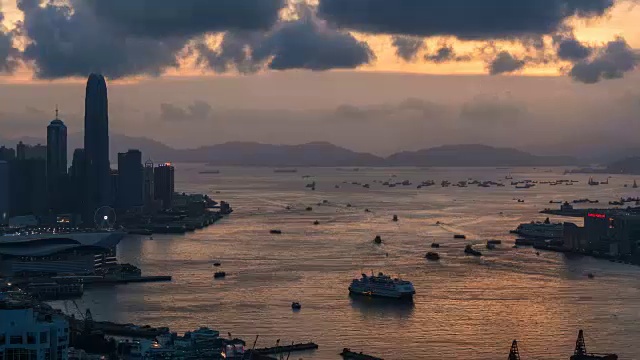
(96, 145)
(56, 162)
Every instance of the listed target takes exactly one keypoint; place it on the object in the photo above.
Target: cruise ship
(540, 230)
(77, 252)
(382, 286)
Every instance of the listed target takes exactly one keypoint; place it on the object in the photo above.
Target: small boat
(459, 236)
(367, 210)
(275, 231)
(590, 276)
(469, 250)
(490, 246)
(348, 205)
(287, 207)
(537, 253)
(216, 264)
(296, 306)
(150, 237)
(377, 240)
(435, 245)
(432, 256)
(316, 222)
(494, 242)
(219, 275)
(395, 217)
(309, 208)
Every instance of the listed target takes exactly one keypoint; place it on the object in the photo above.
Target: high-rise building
(57, 163)
(4, 192)
(78, 180)
(7, 154)
(27, 334)
(20, 151)
(35, 152)
(28, 187)
(149, 190)
(96, 145)
(164, 184)
(130, 180)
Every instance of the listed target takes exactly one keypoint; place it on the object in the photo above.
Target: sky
(371, 75)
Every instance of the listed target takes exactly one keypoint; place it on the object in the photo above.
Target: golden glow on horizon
(621, 21)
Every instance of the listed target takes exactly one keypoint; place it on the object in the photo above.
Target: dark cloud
(444, 54)
(70, 41)
(571, 49)
(611, 61)
(305, 43)
(168, 18)
(8, 53)
(407, 47)
(199, 110)
(467, 19)
(504, 62)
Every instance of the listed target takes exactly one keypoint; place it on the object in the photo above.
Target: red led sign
(598, 216)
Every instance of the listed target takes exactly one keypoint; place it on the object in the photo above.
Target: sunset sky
(415, 73)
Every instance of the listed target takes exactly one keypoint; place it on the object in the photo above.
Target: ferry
(540, 230)
(382, 285)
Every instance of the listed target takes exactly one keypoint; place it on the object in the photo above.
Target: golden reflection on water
(464, 308)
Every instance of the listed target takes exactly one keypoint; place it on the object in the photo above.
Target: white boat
(382, 285)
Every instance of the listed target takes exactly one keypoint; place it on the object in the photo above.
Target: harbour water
(465, 307)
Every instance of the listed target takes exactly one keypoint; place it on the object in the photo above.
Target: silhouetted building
(35, 152)
(78, 180)
(7, 154)
(96, 145)
(149, 190)
(130, 180)
(164, 184)
(57, 164)
(28, 187)
(4, 192)
(20, 151)
(115, 184)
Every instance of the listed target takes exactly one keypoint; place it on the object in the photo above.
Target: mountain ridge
(319, 154)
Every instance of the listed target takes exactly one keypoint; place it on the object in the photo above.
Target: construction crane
(514, 354)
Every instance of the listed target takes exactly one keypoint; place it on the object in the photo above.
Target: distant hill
(315, 154)
(475, 155)
(630, 165)
(256, 154)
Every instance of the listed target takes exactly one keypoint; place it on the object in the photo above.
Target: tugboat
(219, 275)
(377, 240)
(296, 306)
(432, 256)
(309, 208)
(469, 250)
(590, 276)
(216, 264)
(382, 286)
(275, 231)
(435, 245)
(316, 222)
(458, 236)
(490, 246)
(395, 217)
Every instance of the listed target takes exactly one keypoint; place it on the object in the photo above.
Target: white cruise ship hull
(381, 293)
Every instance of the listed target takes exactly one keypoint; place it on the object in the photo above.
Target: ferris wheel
(104, 218)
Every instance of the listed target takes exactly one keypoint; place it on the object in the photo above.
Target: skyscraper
(96, 144)
(149, 187)
(56, 162)
(130, 180)
(4, 192)
(78, 180)
(164, 185)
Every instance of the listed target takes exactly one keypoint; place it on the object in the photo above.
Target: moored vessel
(382, 285)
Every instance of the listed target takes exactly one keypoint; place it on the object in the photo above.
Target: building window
(2, 340)
(31, 338)
(43, 337)
(15, 339)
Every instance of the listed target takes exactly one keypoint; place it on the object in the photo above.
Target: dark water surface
(465, 307)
